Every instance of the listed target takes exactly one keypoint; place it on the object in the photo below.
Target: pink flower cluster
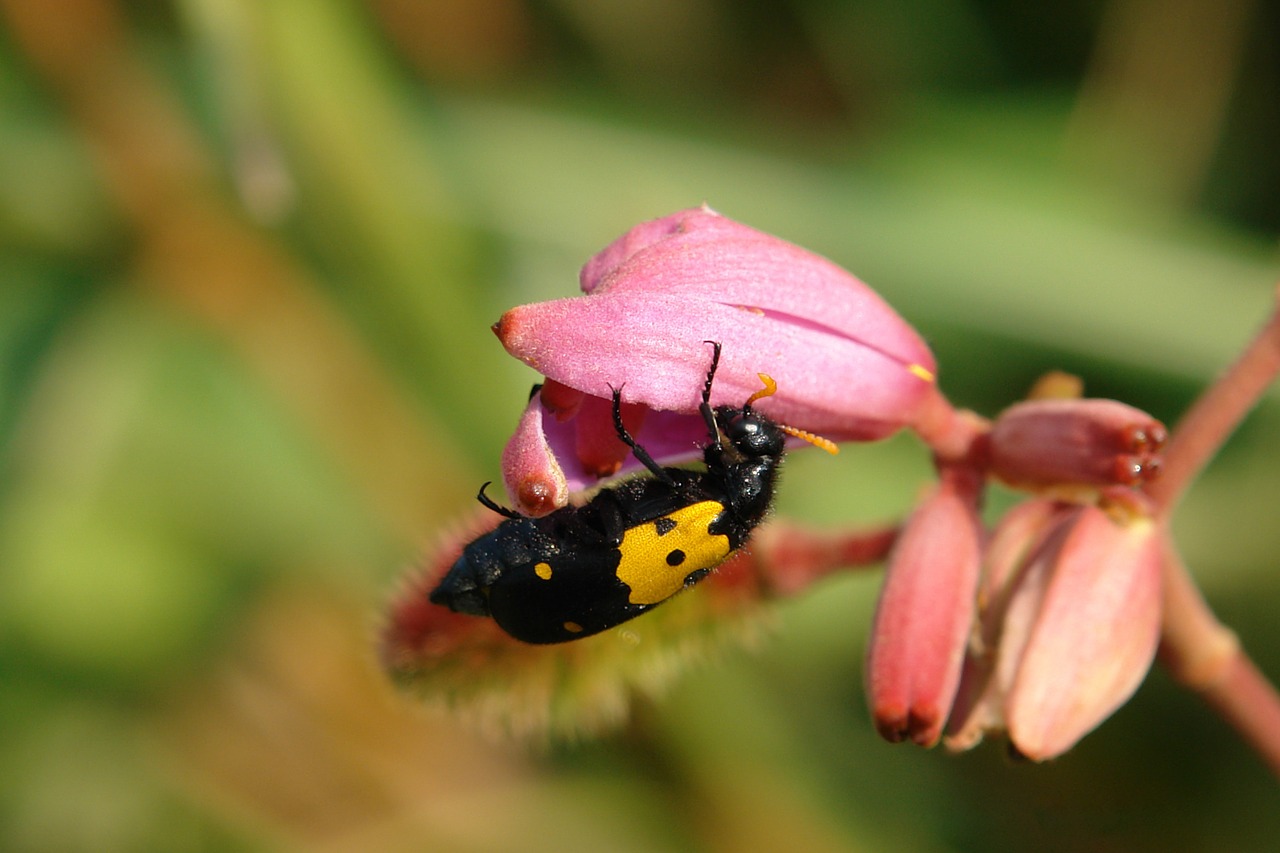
(1039, 626)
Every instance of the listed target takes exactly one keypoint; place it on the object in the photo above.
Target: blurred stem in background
(1151, 112)
(190, 246)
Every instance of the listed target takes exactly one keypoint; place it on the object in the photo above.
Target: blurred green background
(250, 253)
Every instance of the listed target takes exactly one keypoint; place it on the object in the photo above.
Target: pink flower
(847, 366)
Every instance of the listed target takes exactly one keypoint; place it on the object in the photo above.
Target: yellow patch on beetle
(659, 555)
(543, 570)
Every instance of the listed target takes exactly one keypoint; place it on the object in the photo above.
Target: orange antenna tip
(770, 388)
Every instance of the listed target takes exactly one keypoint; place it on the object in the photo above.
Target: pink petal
(1017, 537)
(978, 707)
(639, 237)
(702, 256)
(652, 345)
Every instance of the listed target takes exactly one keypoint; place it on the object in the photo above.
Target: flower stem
(1213, 417)
(1199, 651)
(949, 432)
(1205, 656)
(790, 557)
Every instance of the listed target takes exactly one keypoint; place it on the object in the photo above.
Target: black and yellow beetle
(585, 569)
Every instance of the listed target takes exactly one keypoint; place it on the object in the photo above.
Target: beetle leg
(639, 452)
(488, 502)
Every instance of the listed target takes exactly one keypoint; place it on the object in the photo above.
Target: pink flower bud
(923, 617)
(1077, 442)
(1094, 633)
(1069, 617)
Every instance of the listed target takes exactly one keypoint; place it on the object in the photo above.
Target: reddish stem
(1248, 701)
(1205, 656)
(1200, 652)
(950, 433)
(1213, 417)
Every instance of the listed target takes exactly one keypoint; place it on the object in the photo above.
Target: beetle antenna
(816, 440)
(708, 414)
(770, 388)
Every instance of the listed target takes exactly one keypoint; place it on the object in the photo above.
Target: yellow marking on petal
(923, 372)
(543, 570)
(573, 627)
(655, 564)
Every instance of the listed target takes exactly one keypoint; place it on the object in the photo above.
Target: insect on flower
(584, 569)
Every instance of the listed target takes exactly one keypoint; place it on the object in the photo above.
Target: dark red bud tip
(1135, 470)
(892, 723)
(897, 726)
(1148, 437)
(505, 329)
(536, 497)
